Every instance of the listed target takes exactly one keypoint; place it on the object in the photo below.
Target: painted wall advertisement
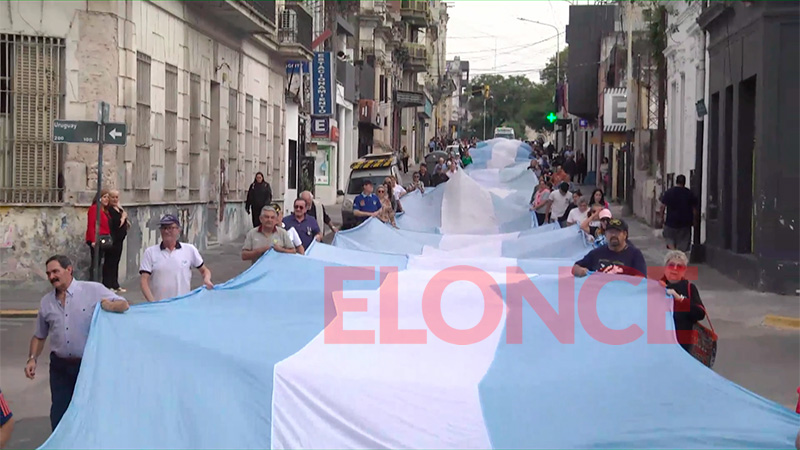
(322, 165)
(323, 90)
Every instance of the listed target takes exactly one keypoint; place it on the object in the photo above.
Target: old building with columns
(200, 86)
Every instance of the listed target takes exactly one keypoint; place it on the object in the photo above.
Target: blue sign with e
(323, 88)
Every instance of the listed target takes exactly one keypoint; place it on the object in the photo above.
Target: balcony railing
(415, 12)
(264, 7)
(376, 7)
(417, 56)
(296, 26)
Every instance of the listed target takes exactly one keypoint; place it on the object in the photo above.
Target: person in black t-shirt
(680, 204)
(689, 307)
(618, 256)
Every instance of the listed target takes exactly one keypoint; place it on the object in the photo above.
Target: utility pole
(102, 118)
(484, 118)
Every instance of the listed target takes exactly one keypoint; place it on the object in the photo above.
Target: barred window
(233, 143)
(32, 80)
(196, 139)
(263, 157)
(141, 178)
(170, 131)
(248, 139)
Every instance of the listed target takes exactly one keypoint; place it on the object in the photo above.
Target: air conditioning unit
(287, 26)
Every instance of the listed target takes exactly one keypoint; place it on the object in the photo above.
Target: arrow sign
(86, 132)
(116, 133)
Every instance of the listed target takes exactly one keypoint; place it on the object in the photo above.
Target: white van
(371, 167)
(504, 132)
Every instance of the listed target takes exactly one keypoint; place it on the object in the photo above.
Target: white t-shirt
(560, 204)
(170, 271)
(399, 191)
(576, 216)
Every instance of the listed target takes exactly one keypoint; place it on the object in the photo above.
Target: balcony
(248, 16)
(369, 48)
(375, 9)
(416, 59)
(415, 12)
(295, 32)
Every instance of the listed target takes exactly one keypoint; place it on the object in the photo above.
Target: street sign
(87, 132)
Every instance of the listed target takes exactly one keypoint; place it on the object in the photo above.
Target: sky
(488, 34)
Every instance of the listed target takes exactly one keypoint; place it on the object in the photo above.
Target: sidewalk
(728, 299)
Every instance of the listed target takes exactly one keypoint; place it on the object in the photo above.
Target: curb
(785, 322)
(19, 313)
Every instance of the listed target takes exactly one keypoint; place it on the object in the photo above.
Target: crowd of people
(165, 272)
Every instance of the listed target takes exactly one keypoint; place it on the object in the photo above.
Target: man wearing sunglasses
(618, 256)
(306, 226)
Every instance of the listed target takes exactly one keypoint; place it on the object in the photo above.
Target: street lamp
(558, 43)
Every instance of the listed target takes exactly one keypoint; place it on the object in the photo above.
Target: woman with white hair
(689, 307)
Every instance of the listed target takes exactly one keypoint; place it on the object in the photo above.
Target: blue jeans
(63, 375)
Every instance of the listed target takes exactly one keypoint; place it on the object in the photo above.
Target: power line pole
(484, 117)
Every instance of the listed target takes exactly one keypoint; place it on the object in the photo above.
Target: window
(263, 157)
(32, 83)
(248, 139)
(277, 145)
(170, 132)
(233, 141)
(196, 140)
(141, 177)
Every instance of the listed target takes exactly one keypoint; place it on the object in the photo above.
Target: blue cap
(169, 219)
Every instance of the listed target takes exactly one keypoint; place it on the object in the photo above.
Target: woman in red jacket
(105, 230)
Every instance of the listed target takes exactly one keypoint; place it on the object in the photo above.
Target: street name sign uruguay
(86, 132)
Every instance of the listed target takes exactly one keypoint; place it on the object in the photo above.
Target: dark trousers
(405, 165)
(95, 276)
(111, 265)
(540, 217)
(63, 375)
(256, 215)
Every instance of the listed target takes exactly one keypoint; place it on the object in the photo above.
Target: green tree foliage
(516, 101)
(548, 75)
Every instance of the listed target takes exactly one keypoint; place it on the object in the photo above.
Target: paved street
(763, 359)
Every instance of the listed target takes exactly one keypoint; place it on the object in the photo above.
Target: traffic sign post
(100, 133)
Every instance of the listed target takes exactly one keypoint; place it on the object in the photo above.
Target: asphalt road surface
(761, 359)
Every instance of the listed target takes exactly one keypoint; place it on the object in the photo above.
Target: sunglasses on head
(614, 222)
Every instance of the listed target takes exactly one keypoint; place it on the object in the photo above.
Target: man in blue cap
(166, 268)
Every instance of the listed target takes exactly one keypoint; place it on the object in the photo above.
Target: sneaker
(120, 290)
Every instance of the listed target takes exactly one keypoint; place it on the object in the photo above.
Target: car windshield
(504, 135)
(357, 183)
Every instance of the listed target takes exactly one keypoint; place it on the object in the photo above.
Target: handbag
(704, 339)
(105, 241)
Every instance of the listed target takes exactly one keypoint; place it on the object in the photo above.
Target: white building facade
(200, 86)
(685, 54)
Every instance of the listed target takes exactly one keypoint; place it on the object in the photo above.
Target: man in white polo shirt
(166, 269)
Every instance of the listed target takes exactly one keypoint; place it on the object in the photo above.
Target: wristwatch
(31, 357)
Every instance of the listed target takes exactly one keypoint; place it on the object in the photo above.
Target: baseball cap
(605, 214)
(617, 224)
(169, 219)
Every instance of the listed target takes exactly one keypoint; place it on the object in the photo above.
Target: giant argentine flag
(405, 338)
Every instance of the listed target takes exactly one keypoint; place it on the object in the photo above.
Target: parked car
(432, 158)
(373, 167)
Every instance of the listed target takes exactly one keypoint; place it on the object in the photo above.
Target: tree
(515, 102)
(548, 74)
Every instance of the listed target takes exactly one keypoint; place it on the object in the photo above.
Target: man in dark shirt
(424, 176)
(305, 225)
(681, 207)
(617, 257)
(316, 209)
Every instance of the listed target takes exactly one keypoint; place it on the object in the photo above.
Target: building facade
(750, 160)
(200, 86)
(685, 54)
